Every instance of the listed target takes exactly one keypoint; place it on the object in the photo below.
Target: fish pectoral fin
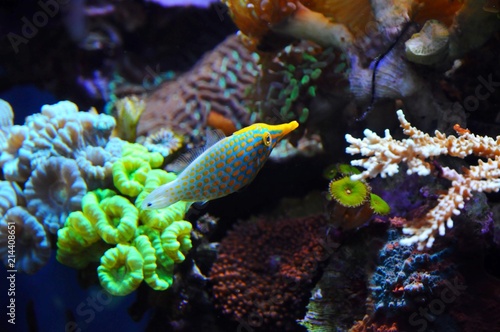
(199, 205)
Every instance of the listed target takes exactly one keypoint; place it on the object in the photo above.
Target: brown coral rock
(265, 269)
(218, 83)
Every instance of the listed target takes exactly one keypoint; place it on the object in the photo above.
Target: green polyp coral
(349, 193)
(131, 244)
(120, 221)
(378, 205)
(176, 240)
(291, 79)
(353, 202)
(129, 175)
(121, 269)
(148, 243)
(158, 267)
(333, 171)
(154, 159)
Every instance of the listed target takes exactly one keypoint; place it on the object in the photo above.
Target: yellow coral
(129, 175)
(176, 240)
(157, 275)
(120, 221)
(128, 112)
(155, 159)
(121, 269)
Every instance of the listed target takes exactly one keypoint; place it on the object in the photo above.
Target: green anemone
(349, 193)
(378, 205)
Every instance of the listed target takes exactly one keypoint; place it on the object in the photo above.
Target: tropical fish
(226, 165)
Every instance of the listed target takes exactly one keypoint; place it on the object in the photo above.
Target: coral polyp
(349, 193)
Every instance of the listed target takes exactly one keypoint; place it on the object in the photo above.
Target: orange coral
(254, 17)
(442, 10)
(219, 121)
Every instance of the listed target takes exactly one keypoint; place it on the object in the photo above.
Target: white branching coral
(383, 154)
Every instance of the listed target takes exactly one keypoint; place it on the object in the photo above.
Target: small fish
(224, 167)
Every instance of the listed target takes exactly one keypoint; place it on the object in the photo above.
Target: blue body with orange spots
(223, 168)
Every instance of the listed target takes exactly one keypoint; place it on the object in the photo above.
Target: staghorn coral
(54, 190)
(217, 84)
(24, 245)
(264, 269)
(383, 154)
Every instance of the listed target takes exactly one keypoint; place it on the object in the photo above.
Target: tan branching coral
(31, 247)
(55, 189)
(383, 154)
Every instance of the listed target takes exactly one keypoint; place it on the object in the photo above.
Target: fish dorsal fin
(213, 136)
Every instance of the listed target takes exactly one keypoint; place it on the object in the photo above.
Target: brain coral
(212, 93)
(264, 271)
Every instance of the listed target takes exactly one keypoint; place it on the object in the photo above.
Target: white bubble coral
(23, 236)
(54, 190)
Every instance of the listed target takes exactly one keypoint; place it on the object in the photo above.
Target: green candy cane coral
(131, 244)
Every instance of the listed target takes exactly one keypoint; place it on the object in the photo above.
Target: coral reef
(217, 84)
(384, 154)
(351, 201)
(224, 166)
(127, 111)
(148, 243)
(404, 278)
(163, 141)
(54, 189)
(24, 245)
(264, 270)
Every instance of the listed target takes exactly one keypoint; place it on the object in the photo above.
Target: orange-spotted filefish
(224, 167)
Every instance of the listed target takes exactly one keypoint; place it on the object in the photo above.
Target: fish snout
(280, 131)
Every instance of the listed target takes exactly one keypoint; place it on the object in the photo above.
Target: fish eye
(266, 138)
